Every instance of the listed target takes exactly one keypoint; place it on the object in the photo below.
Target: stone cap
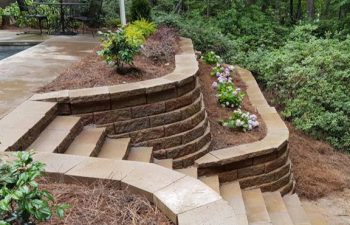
(175, 194)
(277, 132)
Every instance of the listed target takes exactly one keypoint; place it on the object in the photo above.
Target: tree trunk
(299, 10)
(311, 9)
(291, 10)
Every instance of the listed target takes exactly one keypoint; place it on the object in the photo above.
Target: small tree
(140, 9)
(21, 200)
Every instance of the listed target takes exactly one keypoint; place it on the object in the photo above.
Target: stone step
(276, 208)
(58, 135)
(232, 193)
(212, 181)
(255, 206)
(314, 215)
(141, 154)
(295, 210)
(24, 124)
(88, 142)
(167, 163)
(115, 149)
(202, 147)
(189, 171)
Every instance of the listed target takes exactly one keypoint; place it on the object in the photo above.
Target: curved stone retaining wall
(265, 163)
(165, 113)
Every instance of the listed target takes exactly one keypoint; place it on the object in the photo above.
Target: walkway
(22, 74)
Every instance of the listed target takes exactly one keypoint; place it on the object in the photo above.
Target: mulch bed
(103, 204)
(224, 137)
(157, 58)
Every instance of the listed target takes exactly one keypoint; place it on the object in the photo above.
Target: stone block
(228, 176)
(161, 96)
(181, 150)
(187, 87)
(129, 101)
(264, 158)
(147, 134)
(192, 109)
(131, 125)
(179, 102)
(195, 132)
(275, 164)
(251, 171)
(178, 127)
(112, 116)
(148, 110)
(166, 118)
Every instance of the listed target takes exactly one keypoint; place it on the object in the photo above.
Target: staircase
(67, 135)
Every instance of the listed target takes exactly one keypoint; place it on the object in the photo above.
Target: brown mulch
(156, 59)
(318, 168)
(222, 136)
(103, 204)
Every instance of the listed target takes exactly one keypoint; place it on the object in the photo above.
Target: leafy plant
(21, 200)
(241, 120)
(228, 95)
(140, 9)
(146, 27)
(118, 49)
(138, 31)
(211, 58)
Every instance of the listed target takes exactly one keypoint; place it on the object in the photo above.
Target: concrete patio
(23, 73)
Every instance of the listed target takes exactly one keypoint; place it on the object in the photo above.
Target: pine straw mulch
(101, 204)
(224, 137)
(156, 59)
(318, 168)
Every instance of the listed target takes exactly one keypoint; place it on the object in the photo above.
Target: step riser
(70, 138)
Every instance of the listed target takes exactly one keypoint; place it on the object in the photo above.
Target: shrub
(140, 9)
(228, 95)
(21, 200)
(241, 120)
(138, 31)
(117, 49)
(145, 27)
(211, 58)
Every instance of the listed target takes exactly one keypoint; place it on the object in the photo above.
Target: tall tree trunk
(291, 10)
(311, 9)
(299, 10)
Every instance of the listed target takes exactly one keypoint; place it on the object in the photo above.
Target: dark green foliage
(140, 9)
(21, 200)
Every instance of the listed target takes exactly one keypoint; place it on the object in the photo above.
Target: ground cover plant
(21, 199)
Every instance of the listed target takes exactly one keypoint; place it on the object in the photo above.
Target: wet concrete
(22, 74)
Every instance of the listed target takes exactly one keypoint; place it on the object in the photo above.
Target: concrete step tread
(57, 135)
(276, 208)
(141, 154)
(295, 210)
(115, 149)
(167, 163)
(255, 207)
(88, 142)
(232, 193)
(314, 215)
(189, 171)
(212, 181)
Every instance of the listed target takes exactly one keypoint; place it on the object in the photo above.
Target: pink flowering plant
(228, 95)
(240, 120)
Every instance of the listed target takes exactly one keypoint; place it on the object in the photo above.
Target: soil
(222, 136)
(101, 203)
(156, 59)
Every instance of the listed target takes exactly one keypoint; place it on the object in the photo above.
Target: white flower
(239, 123)
(253, 117)
(238, 89)
(250, 127)
(227, 103)
(214, 85)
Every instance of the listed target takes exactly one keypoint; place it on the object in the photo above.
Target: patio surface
(23, 73)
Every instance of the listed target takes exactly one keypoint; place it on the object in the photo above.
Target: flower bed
(156, 59)
(223, 136)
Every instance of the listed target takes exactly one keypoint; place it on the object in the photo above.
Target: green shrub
(311, 80)
(117, 49)
(241, 120)
(147, 28)
(229, 96)
(140, 9)
(211, 58)
(21, 200)
(138, 31)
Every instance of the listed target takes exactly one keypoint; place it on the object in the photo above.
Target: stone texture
(178, 127)
(212, 182)
(295, 210)
(178, 198)
(115, 149)
(251, 171)
(255, 207)
(112, 116)
(89, 100)
(148, 110)
(131, 125)
(276, 208)
(147, 134)
(141, 154)
(165, 118)
(218, 212)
